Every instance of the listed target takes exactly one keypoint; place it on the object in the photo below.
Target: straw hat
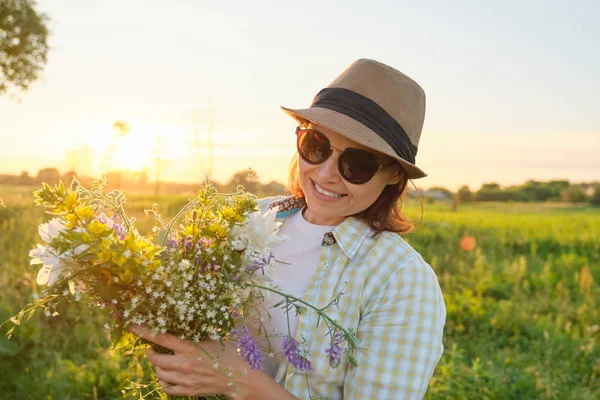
(374, 105)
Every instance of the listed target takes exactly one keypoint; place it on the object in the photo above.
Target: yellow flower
(80, 214)
(105, 244)
(119, 259)
(71, 220)
(126, 276)
(230, 214)
(188, 230)
(144, 246)
(104, 256)
(218, 228)
(96, 228)
(86, 238)
(84, 213)
(131, 242)
(70, 202)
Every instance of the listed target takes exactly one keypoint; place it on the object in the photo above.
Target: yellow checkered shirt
(392, 300)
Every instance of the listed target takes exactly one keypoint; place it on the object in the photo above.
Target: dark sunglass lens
(313, 147)
(357, 166)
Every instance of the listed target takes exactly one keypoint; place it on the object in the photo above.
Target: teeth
(326, 193)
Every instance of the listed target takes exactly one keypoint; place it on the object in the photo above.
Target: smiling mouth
(326, 193)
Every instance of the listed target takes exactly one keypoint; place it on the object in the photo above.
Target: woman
(356, 146)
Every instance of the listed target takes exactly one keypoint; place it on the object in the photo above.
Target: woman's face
(342, 198)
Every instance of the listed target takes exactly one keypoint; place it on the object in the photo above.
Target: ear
(396, 178)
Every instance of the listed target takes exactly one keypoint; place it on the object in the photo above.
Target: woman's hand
(193, 370)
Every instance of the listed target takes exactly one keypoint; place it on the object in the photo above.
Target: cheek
(304, 170)
(365, 195)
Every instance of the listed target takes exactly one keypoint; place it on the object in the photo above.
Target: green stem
(18, 215)
(179, 214)
(349, 335)
(119, 209)
(32, 306)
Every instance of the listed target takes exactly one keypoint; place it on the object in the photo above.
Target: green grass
(520, 324)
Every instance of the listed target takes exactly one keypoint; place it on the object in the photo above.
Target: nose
(328, 171)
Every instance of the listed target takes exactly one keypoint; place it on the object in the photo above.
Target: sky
(512, 86)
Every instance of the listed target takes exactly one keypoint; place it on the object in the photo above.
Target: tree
(573, 194)
(247, 178)
(49, 175)
(68, 177)
(23, 44)
(25, 179)
(491, 192)
(464, 194)
(439, 193)
(273, 188)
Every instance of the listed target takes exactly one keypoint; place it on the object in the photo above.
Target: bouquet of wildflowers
(196, 276)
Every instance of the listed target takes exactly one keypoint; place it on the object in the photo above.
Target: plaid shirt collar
(348, 235)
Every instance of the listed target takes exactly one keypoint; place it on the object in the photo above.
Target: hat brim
(353, 130)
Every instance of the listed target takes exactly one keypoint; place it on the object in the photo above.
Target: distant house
(433, 194)
(439, 194)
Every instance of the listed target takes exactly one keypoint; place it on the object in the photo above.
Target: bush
(573, 194)
(465, 194)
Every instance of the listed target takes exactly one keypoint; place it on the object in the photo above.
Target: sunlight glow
(133, 153)
(139, 148)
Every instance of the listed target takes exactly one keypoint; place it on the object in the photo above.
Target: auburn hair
(385, 214)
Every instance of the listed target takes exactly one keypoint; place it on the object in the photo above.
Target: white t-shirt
(299, 258)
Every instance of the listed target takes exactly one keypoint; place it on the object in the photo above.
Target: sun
(132, 152)
(135, 145)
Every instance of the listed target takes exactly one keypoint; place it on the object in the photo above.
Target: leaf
(84, 257)
(109, 292)
(10, 332)
(121, 338)
(163, 236)
(236, 259)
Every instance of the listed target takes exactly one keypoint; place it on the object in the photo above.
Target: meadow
(522, 296)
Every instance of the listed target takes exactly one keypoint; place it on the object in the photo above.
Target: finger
(175, 390)
(164, 361)
(170, 376)
(169, 341)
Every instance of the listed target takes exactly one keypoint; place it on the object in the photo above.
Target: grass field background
(523, 305)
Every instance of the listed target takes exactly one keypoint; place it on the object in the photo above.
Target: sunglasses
(356, 166)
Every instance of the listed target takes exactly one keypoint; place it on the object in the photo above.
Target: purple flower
(334, 350)
(120, 230)
(172, 243)
(205, 242)
(248, 348)
(187, 243)
(291, 351)
(103, 219)
(259, 264)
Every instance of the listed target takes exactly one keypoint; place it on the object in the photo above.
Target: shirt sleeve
(400, 336)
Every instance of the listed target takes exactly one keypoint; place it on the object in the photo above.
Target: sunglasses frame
(380, 167)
